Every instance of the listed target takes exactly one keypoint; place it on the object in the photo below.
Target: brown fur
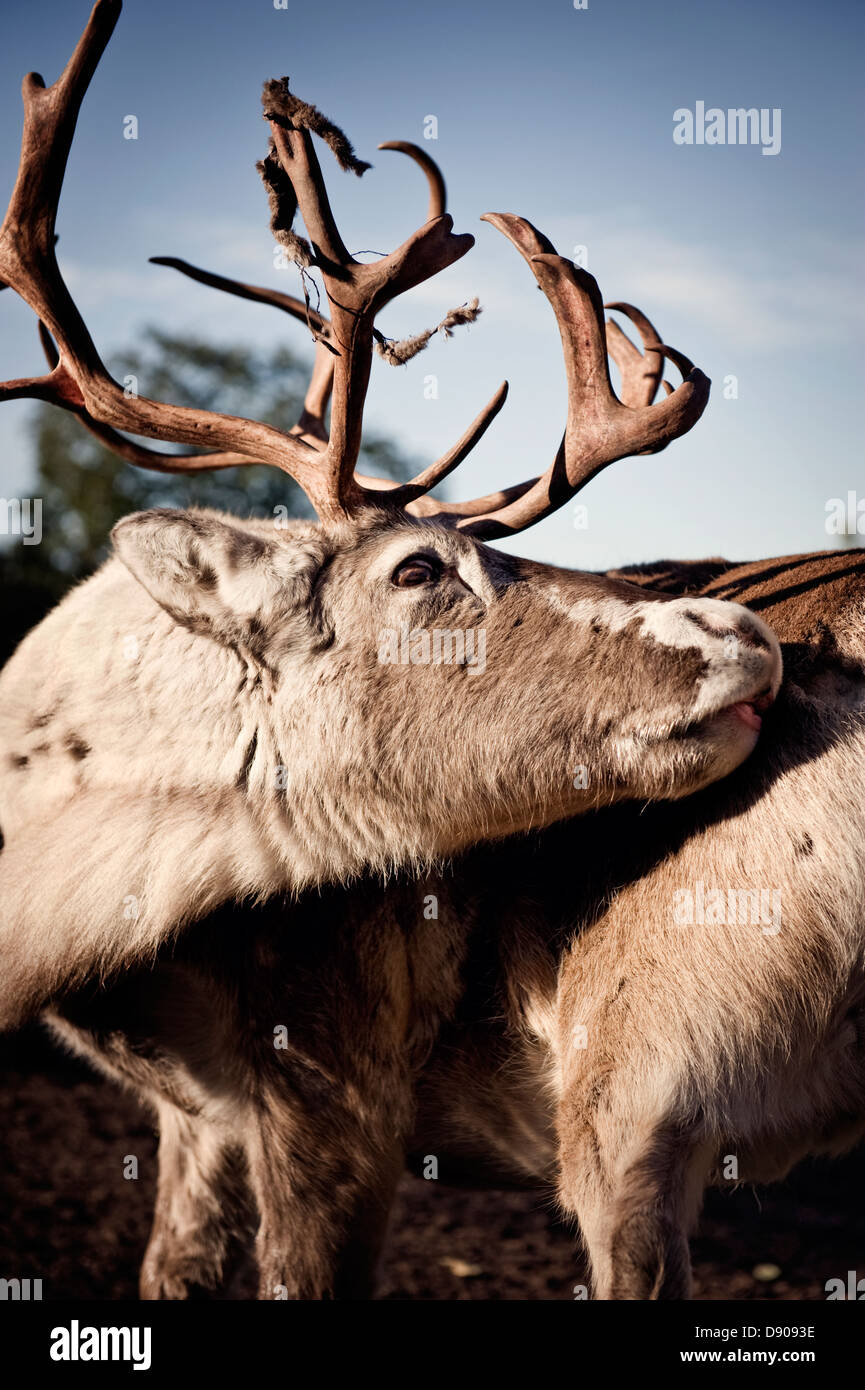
(216, 722)
(701, 1043)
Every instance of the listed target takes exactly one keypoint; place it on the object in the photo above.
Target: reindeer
(556, 1023)
(207, 721)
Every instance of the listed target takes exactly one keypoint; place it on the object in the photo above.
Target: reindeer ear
(217, 577)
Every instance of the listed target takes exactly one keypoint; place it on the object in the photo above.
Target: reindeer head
(418, 689)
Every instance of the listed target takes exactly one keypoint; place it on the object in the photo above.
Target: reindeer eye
(417, 569)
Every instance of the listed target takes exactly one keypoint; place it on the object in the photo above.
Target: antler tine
(260, 294)
(641, 369)
(600, 428)
(402, 494)
(438, 201)
(641, 372)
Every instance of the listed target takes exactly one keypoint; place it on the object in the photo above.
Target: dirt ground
(68, 1216)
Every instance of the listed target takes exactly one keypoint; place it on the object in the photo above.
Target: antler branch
(600, 427)
(80, 381)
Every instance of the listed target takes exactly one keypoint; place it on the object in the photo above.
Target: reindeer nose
(731, 620)
(742, 654)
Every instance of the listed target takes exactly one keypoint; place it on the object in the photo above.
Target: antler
(80, 382)
(600, 427)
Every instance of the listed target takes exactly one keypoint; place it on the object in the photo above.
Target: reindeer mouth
(748, 714)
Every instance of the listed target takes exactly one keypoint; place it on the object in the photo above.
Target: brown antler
(80, 382)
(600, 428)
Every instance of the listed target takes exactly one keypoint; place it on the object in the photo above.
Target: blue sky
(744, 261)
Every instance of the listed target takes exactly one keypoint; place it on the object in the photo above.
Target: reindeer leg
(324, 1187)
(201, 1213)
(635, 1189)
(323, 1215)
